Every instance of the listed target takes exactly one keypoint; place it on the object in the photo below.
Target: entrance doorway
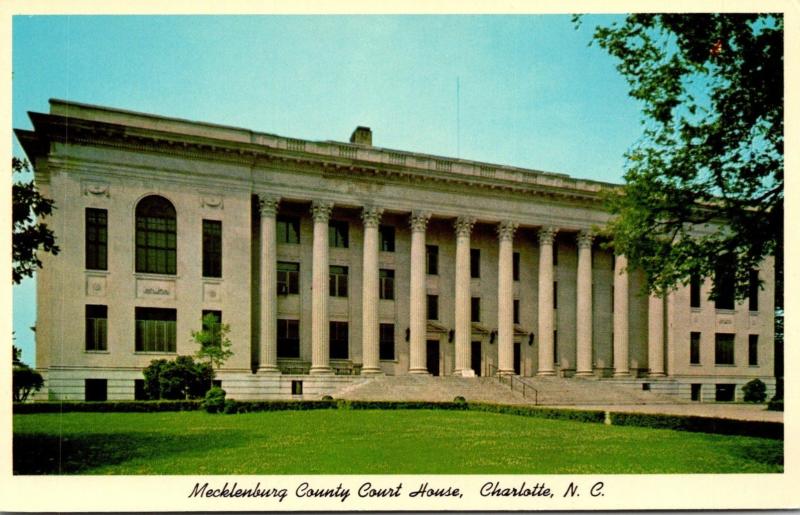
(475, 360)
(517, 358)
(433, 357)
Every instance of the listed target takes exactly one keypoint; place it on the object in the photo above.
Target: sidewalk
(733, 411)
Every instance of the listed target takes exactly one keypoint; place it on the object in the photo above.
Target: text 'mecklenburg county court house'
(333, 261)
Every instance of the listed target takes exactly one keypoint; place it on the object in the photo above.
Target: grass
(369, 442)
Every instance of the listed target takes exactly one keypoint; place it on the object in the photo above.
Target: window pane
(212, 248)
(156, 236)
(96, 239)
(475, 263)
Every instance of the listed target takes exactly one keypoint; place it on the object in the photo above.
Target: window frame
(338, 234)
(752, 350)
(287, 277)
(283, 234)
(338, 341)
(386, 341)
(96, 328)
(695, 284)
(431, 259)
(286, 341)
(96, 238)
(515, 266)
(386, 284)
(338, 281)
(168, 328)
(212, 248)
(721, 353)
(156, 219)
(753, 291)
(386, 238)
(516, 313)
(475, 309)
(432, 300)
(695, 355)
(475, 263)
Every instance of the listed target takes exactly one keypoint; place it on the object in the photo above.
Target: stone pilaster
(546, 351)
(463, 323)
(268, 356)
(621, 367)
(505, 298)
(584, 305)
(371, 217)
(320, 354)
(417, 296)
(655, 335)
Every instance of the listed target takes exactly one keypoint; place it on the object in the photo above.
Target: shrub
(214, 401)
(106, 407)
(327, 398)
(25, 381)
(696, 424)
(755, 391)
(459, 399)
(181, 378)
(231, 407)
(775, 404)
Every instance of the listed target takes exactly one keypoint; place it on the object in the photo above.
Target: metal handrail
(525, 385)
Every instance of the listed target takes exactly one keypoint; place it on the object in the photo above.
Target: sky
(524, 90)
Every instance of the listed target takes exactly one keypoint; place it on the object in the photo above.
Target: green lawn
(368, 442)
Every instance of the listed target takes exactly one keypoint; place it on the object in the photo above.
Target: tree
(29, 234)
(704, 184)
(215, 346)
(181, 378)
(25, 380)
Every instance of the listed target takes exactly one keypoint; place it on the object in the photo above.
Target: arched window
(156, 236)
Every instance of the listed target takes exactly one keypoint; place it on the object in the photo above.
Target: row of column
(371, 216)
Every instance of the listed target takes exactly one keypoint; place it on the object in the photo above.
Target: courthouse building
(331, 260)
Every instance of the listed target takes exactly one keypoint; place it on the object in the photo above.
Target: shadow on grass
(769, 453)
(41, 453)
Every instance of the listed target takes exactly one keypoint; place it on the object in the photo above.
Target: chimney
(362, 136)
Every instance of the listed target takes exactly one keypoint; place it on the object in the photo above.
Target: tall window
(155, 329)
(338, 234)
(555, 346)
(516, 311)
(432, 259)
(515, 266)
(555, 253)
(474, 263)
(433, 307)
(475, 311)
(288, 338)
(724, 283)
(288, 278)
(96, 239)
(694, 291)
(96, 327)
(338, 281)
(753, 290)
(694, 348)
(387, 341)
(156, 236)
(288, 229)
(212, 248)
(386, 278)
(723, 349)
(752, 350)
(338, 340)
(555, 295)
(214, 326)
(386, 238)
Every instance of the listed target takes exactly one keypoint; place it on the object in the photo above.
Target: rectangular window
(752, 350)
(694, 291)
(386, 278)
(338, 281)
(288, 229)
(432, 259)
(725, 392)
(96, 327)
(515, 266)
(288, 278)
(338, 340)
(212, 248)
(297, 387)
(288, 338)
(475, 263)
(555, 295)
(386, 238)
(139, 391)
(475, 309)
(696, 391)
(387, 342)
(433, 307)
(723, 349)
(555, 253)
(516, 311)
(753, 290)
(338, 234)
(155, 329)
(555, 346)
(214, 327)
(96, 390)
(724, 284)
(694, 348)
(96, 239)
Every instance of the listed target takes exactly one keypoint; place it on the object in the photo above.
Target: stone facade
(551, 300)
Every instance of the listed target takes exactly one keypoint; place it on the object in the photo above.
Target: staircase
(549, 391)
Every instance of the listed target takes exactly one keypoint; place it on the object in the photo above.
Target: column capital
(419, 220)
(547, 234)
(268, 204)
(321, 210)
(585, 239)
(506, 229)
(463, 225)
(371, 216)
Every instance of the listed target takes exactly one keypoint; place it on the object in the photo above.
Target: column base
(467, 372)
(419, 371)
(657, 374)
(508, 372)
(624, 373)
(268, 370)
(584, 373)
(321, 371)
(371, 372)
(548, 373)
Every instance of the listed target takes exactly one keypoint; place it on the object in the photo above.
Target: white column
(268, 361)
(320, 357)
(655, 335)
(417, 297)
(584, 305)
(463, 322)
(621, 367)
(369, 296)
(505, 298)
(546, 351)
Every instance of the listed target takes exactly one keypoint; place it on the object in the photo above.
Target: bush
(724, 426)
(459, 400)
(231, 407)
(214, 401)
(106, 407)
(25, 381)
(327, 398)
(181, 378)
(775, 404)
(755, 391)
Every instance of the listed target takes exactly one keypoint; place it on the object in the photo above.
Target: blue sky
(532, 92)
